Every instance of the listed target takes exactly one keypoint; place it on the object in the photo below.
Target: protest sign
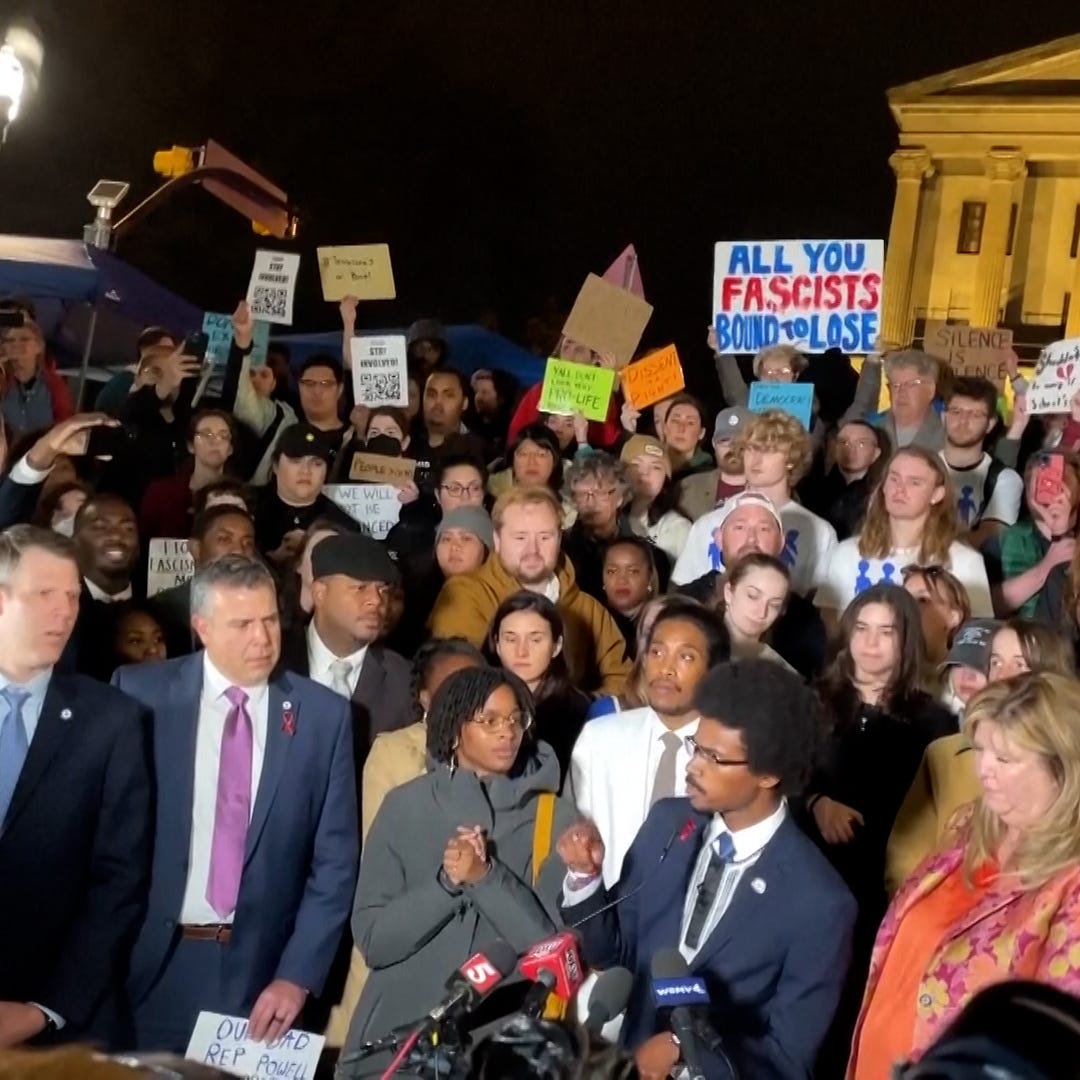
(222, 1041)
(168, 563)
(796, 399)
(812, 294)
(970, 350)
(608, 319)
(360, 270)
(380, 370)
(1057, 378)
(272, 288)
(650, 380)
(626, 273)
(218, 329)
(576, 388)
(375, 507)
(380, 469)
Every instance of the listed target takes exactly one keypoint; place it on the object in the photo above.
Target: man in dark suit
(256, 843)
(351, 575)
(755, 909)
(75, 810)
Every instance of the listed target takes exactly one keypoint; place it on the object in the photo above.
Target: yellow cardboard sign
(576, 388)
(648, 381)
(380, 469)
(361, 270)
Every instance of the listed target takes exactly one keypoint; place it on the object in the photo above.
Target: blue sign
(218, 328)
(687, 990)
(794, 398)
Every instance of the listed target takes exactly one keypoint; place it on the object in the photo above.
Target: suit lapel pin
(288, 718)
(758, 885)
(65, 714)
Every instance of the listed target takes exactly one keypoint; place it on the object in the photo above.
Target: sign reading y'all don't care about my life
(812, 294)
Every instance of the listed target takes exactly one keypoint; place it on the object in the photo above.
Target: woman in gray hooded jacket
(448, 864)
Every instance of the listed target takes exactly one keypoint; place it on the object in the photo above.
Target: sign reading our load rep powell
(813, 294)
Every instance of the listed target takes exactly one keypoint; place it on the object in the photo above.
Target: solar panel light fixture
(105, 196)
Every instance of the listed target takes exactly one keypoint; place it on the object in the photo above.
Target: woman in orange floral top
(1002, 900)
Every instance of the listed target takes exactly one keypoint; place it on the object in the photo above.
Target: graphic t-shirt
(969, 488)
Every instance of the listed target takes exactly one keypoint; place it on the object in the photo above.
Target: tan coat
(696, 493)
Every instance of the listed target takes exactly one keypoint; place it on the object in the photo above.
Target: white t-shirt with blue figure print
(969, 486)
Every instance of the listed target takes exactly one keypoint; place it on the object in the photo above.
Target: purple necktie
(232, 812)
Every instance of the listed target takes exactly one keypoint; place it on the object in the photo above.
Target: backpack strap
(992, 473)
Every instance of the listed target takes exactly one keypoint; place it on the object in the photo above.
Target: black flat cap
(359, 557)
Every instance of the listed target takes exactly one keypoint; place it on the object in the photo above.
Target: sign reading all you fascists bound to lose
(812, 294)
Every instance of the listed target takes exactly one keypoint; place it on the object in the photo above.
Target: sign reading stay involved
(360, 270)
(223, 1042)
(375, 507)
(576, 388)
(169, 564)
(1057, 378)
(971, 350)
(608, 319)
(380, 469)
(650, 380)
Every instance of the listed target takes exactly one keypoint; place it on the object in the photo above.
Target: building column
(1072, 323)
(1003, 169)
(912, 166)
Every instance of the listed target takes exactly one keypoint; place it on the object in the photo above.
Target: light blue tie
(13, 745)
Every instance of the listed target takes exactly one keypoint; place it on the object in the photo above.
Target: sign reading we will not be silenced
(222, 1041)
(812, 294)
(652, 379)
(576, 388)
(796, 399)
(375, 507)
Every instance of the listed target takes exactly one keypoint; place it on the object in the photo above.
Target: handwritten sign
(1057, 378)
(380, 370)
(272, 288)
(222, 1041)
(970, 350)
(374, 507)
(361, 270)
(608, 319)
(813, 294)
(218, 328)
(796, 399)
(169, 564)
(380, 469)
(576, 388)
(650, 380)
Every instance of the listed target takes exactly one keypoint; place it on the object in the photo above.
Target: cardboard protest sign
(217, 326)
(812, 294)
(796, 399)
(375, 507)
(222, 1041)
(380, 370)
(360, 270)
(608, 319)
(970, 350)
(576, 388)
(168, 563)
(380, 469)
(272, 288)
(1057, 378)
(650, 380)
(626, 273)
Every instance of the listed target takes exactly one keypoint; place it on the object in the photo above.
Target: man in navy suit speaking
(726, 877)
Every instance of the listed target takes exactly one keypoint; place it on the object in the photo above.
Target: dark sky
(503, 149)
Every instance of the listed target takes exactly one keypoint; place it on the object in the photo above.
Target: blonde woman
(751, 597)
(1002, 899)
(910, 519)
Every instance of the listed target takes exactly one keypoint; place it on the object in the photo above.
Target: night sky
(503, 149)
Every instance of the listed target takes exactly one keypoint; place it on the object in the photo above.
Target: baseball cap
(747, 498)
(302, 440)
(647, 446)
(731, 422)
(971, 646)
(355, 556)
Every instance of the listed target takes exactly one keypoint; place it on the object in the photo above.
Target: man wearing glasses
(753, 906)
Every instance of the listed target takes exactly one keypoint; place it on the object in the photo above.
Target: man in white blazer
(626, 761)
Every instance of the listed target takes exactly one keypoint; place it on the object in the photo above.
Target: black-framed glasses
(711, 756)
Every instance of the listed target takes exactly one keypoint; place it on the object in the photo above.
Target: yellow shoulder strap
(542, 832)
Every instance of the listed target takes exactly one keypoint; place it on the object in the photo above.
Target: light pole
(21, 57)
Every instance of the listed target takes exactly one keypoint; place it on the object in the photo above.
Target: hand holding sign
(275, 1010)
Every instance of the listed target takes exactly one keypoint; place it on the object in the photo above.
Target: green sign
(576, 388)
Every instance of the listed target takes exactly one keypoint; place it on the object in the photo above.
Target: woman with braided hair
(459, 857)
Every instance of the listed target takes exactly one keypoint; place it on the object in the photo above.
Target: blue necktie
(722, 853)
(13, 745)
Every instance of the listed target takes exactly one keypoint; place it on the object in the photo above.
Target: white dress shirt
(103, 596)
(213, 710)
(320, 658)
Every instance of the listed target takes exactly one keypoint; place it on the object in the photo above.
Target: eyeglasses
(774, 371)
(318, 384)
(858, 444)
(457, 490)
(967, 414)
(214, 436)
(932, 571)
(907, 384)
(493, 721)
(711, 756)
(589, 495)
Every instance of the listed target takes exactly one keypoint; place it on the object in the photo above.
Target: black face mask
(386, 445)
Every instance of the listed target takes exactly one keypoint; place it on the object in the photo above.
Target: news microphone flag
(559, 955)
(672, 993)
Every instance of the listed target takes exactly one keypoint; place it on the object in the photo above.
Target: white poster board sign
(1057, 378)
(272, 288)
(222, 1041)
(374, 507)
(380, 370)
(169, 564)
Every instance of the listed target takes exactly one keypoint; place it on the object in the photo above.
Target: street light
(21, 57)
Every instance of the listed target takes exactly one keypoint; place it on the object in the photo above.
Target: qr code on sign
(269, 303)
(380, 386)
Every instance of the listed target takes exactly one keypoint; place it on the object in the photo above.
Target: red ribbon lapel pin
(288, 718)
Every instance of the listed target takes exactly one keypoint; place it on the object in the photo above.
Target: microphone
(537, 996)
(560, 957)
(609, 997)
(676, 989)
(472, 982)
